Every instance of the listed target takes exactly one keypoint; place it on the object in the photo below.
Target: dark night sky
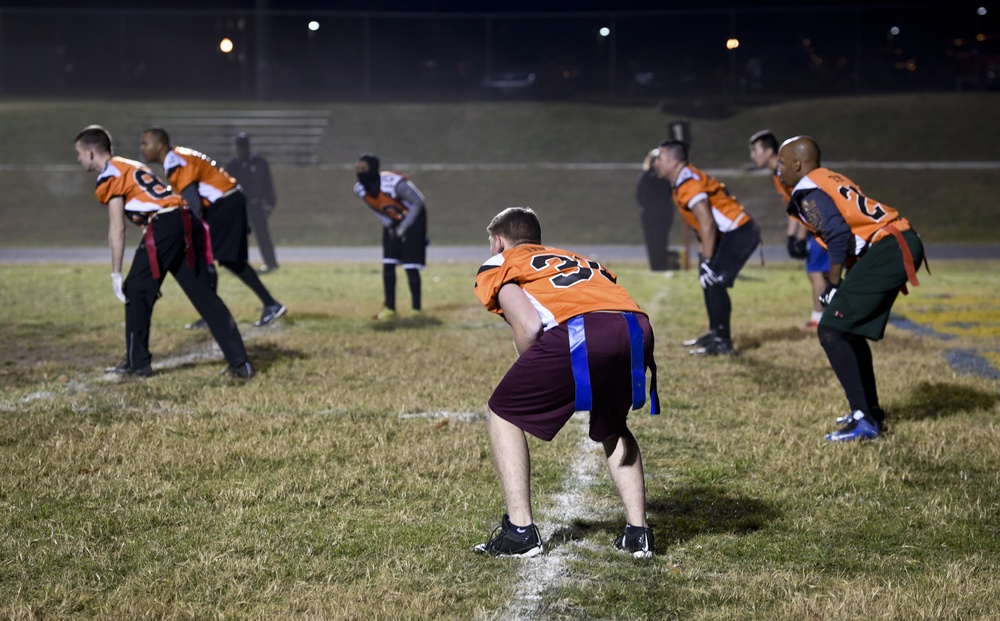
(473, 6)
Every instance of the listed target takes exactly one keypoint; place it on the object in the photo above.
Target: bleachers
(282, 136)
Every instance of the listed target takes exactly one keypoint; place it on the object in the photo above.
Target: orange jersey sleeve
(186, 166)
(784, 192)
(143, 192)
(560, 284)
(693, 186)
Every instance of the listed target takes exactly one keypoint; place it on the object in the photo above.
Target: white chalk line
(548, 570)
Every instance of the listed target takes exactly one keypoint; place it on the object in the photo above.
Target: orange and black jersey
(783, 191)
(842, 218)
(693, 186)
(186, 167)
(396, 200)
(143, 192)
(560, 284)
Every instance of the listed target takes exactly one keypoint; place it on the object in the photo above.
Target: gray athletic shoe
(270, 314)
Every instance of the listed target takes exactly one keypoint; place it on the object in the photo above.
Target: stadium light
(226, 45)
(314, 26)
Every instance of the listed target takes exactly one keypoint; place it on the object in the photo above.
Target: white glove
(117, 284)
(707, 276)
(827, 296)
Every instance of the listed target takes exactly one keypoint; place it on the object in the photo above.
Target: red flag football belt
(150, 243)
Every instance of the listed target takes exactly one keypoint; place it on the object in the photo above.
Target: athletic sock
(836, 343)
(389, 285)
(413, 278)
(249, 277)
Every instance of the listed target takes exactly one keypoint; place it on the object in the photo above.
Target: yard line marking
(548, 569)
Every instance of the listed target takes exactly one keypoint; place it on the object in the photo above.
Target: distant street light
(732, 43)
(605, 31)
(894, 31)
(314, 25)
(981, 11)
(226, 45)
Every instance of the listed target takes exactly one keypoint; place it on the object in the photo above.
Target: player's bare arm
(116, 232)
(707, 231)
(521, 315)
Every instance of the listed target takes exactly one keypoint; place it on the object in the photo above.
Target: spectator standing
(656, 214)
(254, 175)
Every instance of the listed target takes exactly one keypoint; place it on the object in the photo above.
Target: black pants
(656, 225)
(142, 289)
(258, 224)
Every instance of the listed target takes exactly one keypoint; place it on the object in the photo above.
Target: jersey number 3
(571, 269)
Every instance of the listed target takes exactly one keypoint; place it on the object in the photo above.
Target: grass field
(49, 201)
(351, 477)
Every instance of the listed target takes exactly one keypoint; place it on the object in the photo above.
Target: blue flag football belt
(581, 366)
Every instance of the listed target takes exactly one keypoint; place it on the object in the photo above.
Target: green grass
(49, 207)
(310, 492)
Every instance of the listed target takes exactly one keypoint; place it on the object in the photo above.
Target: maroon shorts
(538, 393)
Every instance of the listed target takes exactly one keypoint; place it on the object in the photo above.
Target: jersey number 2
(876, 213)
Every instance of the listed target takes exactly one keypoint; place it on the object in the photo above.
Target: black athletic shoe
(716, 347)
(270, 314)
(636, 540)
(242, 371)
(201, 324)
(124, 368)
(510, 540)
(700, 341)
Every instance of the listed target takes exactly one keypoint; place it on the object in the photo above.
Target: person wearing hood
(399, 206)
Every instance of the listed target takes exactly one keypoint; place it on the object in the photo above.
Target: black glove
(797, 248)
(828, 293)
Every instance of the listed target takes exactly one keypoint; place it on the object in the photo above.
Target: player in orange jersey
(215, 197)
(583, 345)
(801, 244)
(399, 206)
(727, 236)
(173, 241)
(883, 252)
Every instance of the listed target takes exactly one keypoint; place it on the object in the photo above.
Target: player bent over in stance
(882, 252)
(583, 345)
(215, 197)
(174, 240)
